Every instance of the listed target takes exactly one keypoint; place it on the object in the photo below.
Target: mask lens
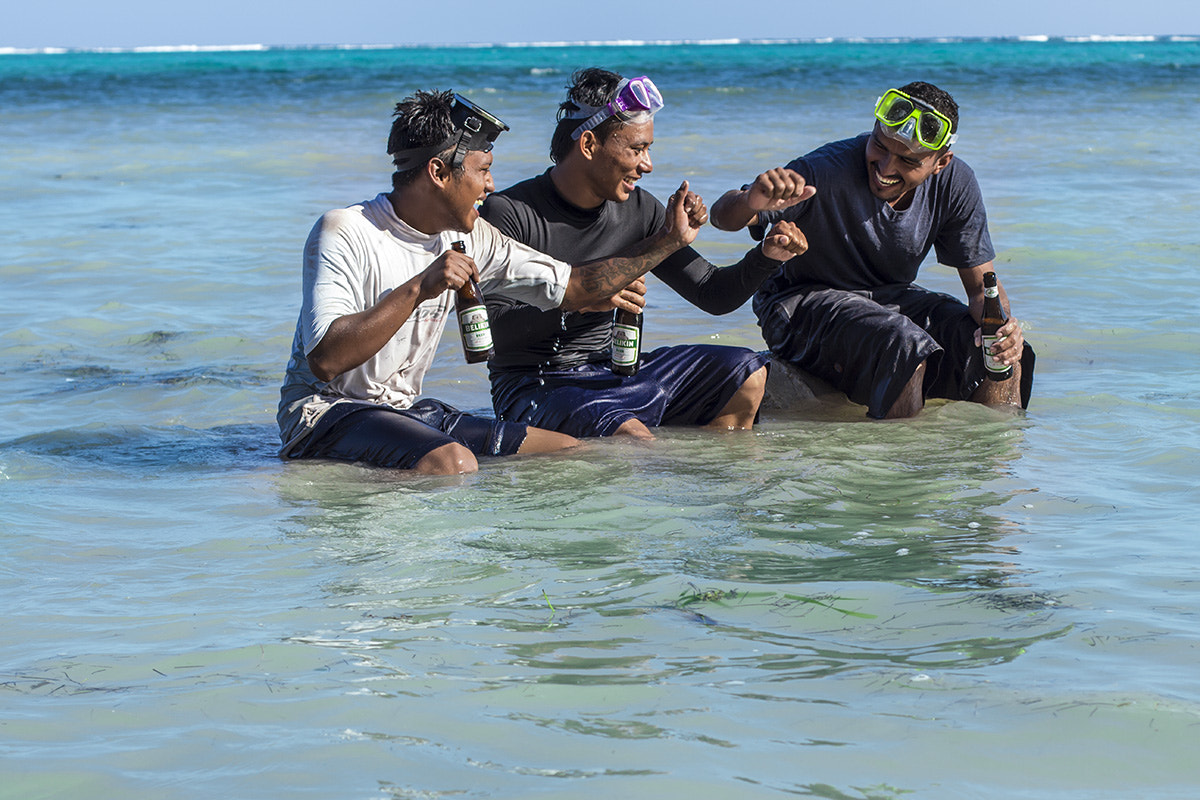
(897, 110)
(931, 129)
(649, 94)
(639, 95)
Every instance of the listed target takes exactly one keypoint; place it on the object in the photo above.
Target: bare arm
(773, 190)
(354, 338)
(1009, 349)
(631, 298)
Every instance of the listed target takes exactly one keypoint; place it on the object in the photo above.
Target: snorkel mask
(913, 121)
(474, 129)
(635, 98)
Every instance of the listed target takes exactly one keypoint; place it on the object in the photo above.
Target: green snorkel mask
(913, 121)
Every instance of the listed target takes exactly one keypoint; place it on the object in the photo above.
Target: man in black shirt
(551, 368)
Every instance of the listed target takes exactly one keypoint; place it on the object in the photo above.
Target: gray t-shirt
(857, 241)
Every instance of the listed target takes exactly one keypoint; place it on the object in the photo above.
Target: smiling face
(894, 170)
(464, 190)
(618, 163)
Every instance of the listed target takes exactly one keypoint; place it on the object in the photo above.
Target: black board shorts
(868, 343)
(681, 385)
(399, 438)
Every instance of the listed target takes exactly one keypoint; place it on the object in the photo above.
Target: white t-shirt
(354, 257)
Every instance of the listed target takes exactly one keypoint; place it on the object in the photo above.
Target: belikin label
(476, 331)
(625, 347)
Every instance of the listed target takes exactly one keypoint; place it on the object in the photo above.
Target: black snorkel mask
(474, 129)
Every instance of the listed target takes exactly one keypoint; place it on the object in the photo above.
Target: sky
(153, 23)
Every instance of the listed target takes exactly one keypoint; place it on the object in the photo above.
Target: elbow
(722, 308)
(577, 304)
(722, 217)
(716, 217)
(577, 297)
(320, 369)
(569, 303)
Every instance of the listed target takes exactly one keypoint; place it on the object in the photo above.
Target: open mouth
(886, 182)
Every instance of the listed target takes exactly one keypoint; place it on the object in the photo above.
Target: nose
(489, 185)
(645, 165)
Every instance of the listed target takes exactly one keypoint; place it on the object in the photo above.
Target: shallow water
(968, 604)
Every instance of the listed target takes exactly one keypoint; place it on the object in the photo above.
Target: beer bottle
(626, 342)
(472, 318)
(993, 318)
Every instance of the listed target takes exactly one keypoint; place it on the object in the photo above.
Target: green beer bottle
(626, 342)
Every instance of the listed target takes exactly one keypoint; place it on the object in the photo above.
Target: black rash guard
(528, 339)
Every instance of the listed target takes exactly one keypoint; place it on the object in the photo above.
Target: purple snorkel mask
(634, 98)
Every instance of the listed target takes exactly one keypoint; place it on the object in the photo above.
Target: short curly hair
(938, 98)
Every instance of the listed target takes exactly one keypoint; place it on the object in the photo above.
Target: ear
(943, 161)
(438, 171)
(588, 145)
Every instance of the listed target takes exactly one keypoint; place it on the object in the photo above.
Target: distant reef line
(235, 48)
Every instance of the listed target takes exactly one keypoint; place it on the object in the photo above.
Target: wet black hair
(421, 120)
(592, 87)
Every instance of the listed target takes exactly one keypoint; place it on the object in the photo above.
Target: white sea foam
(570, 43)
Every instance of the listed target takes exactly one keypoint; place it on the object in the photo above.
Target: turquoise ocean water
(970, 604)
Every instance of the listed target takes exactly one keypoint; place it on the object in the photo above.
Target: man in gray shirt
(847, 310)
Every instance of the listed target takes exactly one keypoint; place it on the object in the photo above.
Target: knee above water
(756, 383)
(450, 459)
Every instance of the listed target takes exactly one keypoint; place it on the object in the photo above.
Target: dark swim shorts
(682, 385)
(868, 343)
(399, 438)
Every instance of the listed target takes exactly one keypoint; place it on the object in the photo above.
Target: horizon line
(260, 47)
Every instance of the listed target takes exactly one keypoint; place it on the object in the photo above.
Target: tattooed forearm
(596, 281)
(604, 278)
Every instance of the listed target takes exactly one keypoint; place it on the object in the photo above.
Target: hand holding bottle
(473, 321)
(999, 335)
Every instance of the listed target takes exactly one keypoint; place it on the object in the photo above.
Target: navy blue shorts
(868, 343)
(682, 385)
(399, 438)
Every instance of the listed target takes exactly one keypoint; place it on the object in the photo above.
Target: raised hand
(680, 226)
(696, 210)
(783, 241)
(778, 188)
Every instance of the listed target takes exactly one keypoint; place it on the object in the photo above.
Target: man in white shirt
(378, 287)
